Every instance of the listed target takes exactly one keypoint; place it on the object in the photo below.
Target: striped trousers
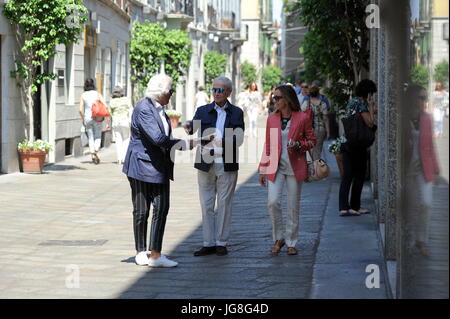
(144, 194)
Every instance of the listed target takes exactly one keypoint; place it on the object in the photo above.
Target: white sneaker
(162, 261)
(141, 259)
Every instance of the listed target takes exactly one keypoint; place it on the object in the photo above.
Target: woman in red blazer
(422, 168)
(289, 135)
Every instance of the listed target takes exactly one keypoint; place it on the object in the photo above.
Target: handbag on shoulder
(99, 111)
(357, 133)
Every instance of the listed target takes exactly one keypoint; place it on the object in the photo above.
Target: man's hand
(262, 180)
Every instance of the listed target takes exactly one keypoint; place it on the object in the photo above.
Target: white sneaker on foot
(162, 261)
(141, 259)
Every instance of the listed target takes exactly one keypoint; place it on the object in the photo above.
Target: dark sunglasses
(277, 98)
(217, 90)
(305, 87)
(171, 91)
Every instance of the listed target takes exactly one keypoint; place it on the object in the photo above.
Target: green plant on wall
(151, 46)
(441, 72)
(271, 75)
(38, 27)
(419, 75)
(215, 65)
(249, 74)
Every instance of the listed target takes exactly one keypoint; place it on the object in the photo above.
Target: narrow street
(76, 219)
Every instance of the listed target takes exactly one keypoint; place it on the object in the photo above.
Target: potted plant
(32, 155)
(335, 148)
(174, 117)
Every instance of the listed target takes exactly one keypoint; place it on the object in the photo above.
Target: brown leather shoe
(292, 251)
(277, 246)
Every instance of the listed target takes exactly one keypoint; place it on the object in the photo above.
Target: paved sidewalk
(76, 218)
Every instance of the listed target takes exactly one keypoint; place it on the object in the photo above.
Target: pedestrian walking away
(285, 165)
(121, 109)
(201, 98)
(93, 126)
(355, 156)
(217, 164)
(439, 105)
(320, 119)
(149, 168)
(254, 108)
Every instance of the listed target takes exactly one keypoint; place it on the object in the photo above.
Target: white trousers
(288, 231)
(216, 223)
(419, 207)
(122, 139)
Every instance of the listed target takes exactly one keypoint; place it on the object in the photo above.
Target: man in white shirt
(217, 164)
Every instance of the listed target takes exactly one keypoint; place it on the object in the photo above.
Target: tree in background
(271, 75)
(249, 74)
(151, 46)
(420, 75)
(215, 65)
(441, 72)
(39, 26)
(336, 46)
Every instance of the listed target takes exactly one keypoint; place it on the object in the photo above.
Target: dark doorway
(37, 111)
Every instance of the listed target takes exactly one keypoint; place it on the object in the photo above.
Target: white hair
(158, 85)
(225, 81)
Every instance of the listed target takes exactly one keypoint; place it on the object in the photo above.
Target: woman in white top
(439, 104)
(254, 106)
(93, 127)
(121, 110)
(201, 98)
(320, 120)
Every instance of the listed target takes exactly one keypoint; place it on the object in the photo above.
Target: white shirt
(162, 114)
(220, 129)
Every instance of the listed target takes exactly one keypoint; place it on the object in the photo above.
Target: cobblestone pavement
(76, 219)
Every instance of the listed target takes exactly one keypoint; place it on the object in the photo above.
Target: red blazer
(426, 147)
(301, 130)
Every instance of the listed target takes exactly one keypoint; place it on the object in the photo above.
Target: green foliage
(248, 71)
(419, 75)
(271, 75)
(215, 65)
(150, 45)
(441, 72)
(41, 25)
(336, 46)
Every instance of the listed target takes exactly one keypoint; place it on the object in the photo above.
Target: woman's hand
(293, 146)
(262, 180)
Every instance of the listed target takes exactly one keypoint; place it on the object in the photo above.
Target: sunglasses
(277, 98)
(305, 87)
(171, 91)
(217, 90)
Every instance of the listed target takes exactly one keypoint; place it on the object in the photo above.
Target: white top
(220, 129)
(284, 167)
(89, 98)
(202, 98)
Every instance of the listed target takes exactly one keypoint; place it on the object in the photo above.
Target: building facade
(262, 36)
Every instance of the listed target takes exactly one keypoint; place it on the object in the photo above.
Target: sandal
(364, 211)
(277, 247)
(292, 251)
